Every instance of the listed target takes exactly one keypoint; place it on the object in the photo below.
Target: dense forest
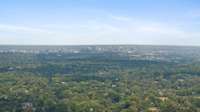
(99, 79)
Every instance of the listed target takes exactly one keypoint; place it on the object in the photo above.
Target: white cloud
(112, 30)
(23, 29)
(120, 18)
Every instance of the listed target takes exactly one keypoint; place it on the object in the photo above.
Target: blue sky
(75, 22)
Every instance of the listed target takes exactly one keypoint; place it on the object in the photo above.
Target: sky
(91, 22)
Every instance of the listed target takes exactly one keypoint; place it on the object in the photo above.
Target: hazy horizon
(93, 22)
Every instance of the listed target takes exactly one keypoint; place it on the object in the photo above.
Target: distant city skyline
(100, 22)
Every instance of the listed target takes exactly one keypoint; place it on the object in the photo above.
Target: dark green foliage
(107, 81)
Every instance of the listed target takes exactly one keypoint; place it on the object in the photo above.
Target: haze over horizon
(83, 22)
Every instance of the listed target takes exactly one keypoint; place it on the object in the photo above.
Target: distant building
(163, 98)
(153, 109)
